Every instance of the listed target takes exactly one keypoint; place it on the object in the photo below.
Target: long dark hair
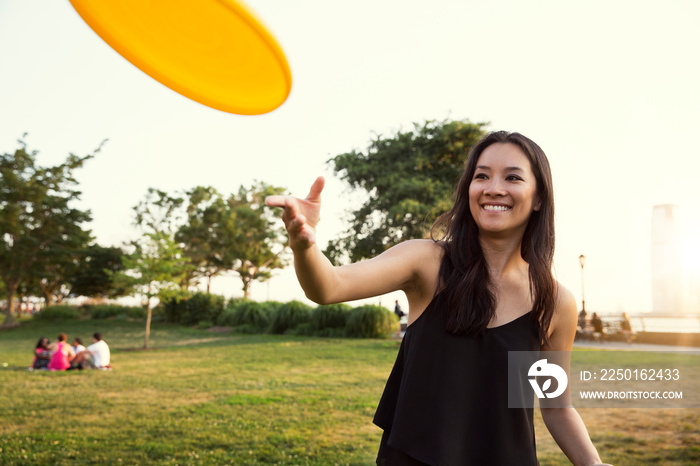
(464, 274)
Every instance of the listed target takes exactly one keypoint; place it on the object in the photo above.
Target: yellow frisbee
(215, 52)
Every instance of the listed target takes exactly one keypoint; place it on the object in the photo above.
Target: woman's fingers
(300, 216)
(316, 188)
(275, 201)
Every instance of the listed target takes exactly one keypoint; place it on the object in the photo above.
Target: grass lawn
(208, 398)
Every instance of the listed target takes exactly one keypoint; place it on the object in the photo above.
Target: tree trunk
(246, 286)
(148, 325)
(208, 282)
(47, 289)
(9, 316)
(48, 298)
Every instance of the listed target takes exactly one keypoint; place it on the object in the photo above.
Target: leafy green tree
(217, 235)
(408, 179)
(255, 234)
(204, 235)
(36, 215)
(94, 277)
(157, 267)
(159, 212)
(154, 269)
(59, 261)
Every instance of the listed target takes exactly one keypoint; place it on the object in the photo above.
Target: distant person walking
(399, 313)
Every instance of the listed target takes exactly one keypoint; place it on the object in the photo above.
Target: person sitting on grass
(78, 345)
(63, 356)
(598, 329)
(42, 354)
(95, 356)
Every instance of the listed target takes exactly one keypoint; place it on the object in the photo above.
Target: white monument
(667, 271)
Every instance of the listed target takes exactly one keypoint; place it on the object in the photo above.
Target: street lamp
(582, 261)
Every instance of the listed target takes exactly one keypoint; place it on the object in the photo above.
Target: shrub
(138, 312)
(59, 312)
(332, 332)
(330, 316)
(305, 329)
(246, 329)
(106, 311)
(289, 316)
(198, 307)
(371, 322)
(250, 313)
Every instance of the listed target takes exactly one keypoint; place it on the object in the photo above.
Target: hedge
(371, 321)
(193, 309)
(106, 311)
(289, 316)
(248, 316)
(59, 312)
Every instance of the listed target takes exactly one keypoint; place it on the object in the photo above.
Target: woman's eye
(513, 178)
(480, 176)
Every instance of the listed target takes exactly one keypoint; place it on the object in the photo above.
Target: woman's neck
(502, 255)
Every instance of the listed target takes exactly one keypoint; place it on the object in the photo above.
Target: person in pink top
(61, 359)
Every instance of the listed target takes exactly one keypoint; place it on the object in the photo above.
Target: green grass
(206, 398)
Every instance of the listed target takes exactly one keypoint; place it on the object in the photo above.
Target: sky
(609, 90)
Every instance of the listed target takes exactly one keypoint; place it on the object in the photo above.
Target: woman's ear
(538, 205)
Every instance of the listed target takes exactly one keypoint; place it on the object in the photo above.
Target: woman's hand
(300, 216)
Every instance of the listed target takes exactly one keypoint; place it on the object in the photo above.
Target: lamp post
(582, 261)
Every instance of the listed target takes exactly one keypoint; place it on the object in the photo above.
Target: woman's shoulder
(428, 247)
(564, 319)
(425, 255)
(565, 303)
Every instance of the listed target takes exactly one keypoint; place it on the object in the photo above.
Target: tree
(159, 212)
(153, 268)
(94, 277)
(217, 235)
(59, 260)
(204, 236)
(255, 234)
(157, 264)
(35, 214)
(408, 179)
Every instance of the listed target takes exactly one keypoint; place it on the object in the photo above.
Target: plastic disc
(215, 52)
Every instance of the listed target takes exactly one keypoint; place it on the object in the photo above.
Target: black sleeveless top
(446, 400)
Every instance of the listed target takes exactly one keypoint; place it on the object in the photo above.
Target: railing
(655, 328)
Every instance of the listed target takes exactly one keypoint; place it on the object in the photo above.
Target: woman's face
(503, 191)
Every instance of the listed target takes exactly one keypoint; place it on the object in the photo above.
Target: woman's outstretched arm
(395, 269)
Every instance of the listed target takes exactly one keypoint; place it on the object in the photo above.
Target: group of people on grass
(61, 356)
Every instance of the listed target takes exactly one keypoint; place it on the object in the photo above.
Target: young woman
(62, 357)
(42, 354)
(481, 287)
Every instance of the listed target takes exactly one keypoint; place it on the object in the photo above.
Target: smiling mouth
(497, 208)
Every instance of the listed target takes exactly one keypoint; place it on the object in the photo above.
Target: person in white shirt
(78, 345)
(95, 356)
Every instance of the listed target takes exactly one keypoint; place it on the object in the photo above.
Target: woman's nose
(494, 188)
